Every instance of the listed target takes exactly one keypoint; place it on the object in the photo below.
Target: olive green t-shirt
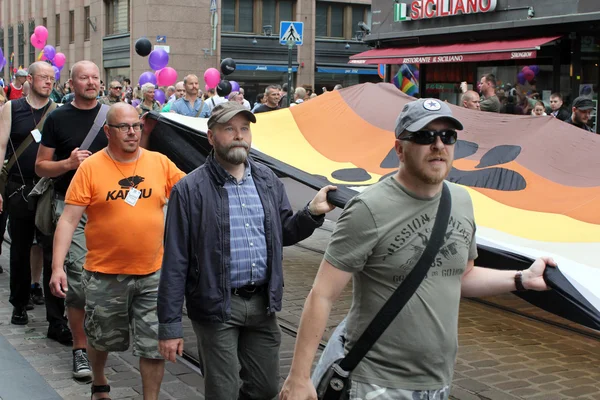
(379, 238)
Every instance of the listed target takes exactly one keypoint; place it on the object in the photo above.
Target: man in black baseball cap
(582, 109)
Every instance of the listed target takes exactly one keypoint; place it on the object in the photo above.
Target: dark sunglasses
(449, 136)
(117, 87)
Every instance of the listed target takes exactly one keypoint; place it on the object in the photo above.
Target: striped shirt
(248, 244)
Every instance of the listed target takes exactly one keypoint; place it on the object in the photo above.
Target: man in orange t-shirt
(123, 190)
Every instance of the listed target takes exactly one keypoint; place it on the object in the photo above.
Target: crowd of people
(490, 100)
(116, 273)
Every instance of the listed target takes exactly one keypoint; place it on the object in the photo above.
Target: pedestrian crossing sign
(291, 30)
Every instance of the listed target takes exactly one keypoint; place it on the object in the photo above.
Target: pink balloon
(59, 59)
(212, 77)
(528, 73)
(37, 42)
(166, 76)
(41, 32)
(206, 88)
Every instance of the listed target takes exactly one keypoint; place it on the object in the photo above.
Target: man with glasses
(121, 186)
(19, 119)
(58, 157)
(377, 242)
(114, 94)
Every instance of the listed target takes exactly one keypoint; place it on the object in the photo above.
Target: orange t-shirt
(123, 239)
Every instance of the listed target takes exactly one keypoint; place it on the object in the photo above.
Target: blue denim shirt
(248, 245)
(184, 107)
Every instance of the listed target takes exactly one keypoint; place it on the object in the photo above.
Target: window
(31, 48)
(321, 19)
(86, 23)
(330, 20)
(360, 14)
(21, 45)
(246, 8)
(117, 16)
(57, 30)
(336, 17)
(275, 11)
(237, 15)
(45, 22)
(11, 42)
(71, 26)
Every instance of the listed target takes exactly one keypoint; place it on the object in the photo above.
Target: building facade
(197, 34)
(435, 44)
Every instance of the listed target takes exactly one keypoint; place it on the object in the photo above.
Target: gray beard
(235, 156)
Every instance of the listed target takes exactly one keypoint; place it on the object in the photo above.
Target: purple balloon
(147, 77)
(159, 96)
(158, 59)
(535, 69)
(49, 52)
(2, 63)
(135, 102)
(235, 87)
(521, 78)
(56, 72)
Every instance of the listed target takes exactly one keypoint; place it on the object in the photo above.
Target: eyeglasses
(448, 136)
(45, 77)
(126, 127)
(117, 87)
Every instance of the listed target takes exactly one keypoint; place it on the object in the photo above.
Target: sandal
(100, 389)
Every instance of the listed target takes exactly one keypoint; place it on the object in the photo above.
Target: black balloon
(224, 88)
(143, 47)
(227, 66)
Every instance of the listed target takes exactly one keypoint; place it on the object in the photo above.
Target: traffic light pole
(290, 44)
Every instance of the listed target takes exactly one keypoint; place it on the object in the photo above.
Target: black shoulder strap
(404, 292)
(8, 90)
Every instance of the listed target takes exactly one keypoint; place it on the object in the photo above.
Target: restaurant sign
(426, 9)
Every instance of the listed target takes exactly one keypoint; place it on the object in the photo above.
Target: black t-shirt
(582, 126)
(64, 130)
(24, 119)
(264, 108)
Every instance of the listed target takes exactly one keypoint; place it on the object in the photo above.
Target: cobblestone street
(502, 356)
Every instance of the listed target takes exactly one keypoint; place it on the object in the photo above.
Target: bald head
(471, 100)
(40, 68)
(119, 110)
(83, 65)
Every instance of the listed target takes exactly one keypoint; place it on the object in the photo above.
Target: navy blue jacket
(196, 261)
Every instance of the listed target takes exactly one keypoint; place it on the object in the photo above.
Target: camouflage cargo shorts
(116, 303)
(364, 391)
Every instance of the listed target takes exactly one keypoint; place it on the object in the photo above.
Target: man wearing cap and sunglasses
(581, 112)
(114, 94)
(377, 242)
(227, 223)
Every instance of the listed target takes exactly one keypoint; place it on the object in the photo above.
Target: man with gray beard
(227, 223)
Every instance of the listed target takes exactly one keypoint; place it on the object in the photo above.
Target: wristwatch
(519, 282)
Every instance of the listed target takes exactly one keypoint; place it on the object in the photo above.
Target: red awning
(459, 52)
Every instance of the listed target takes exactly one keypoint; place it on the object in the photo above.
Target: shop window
(275, 11)
(237, 15)
(86, 24)
(57, 29)
(330, 20)
(71, 26)
(31, 48)
(117, 16)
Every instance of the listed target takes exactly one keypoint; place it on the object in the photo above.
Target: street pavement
(502, 355)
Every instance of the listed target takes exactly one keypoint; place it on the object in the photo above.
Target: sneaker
(29, 305)
(19, 316)
(60, 332)
(81, 364)
(37, 295)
